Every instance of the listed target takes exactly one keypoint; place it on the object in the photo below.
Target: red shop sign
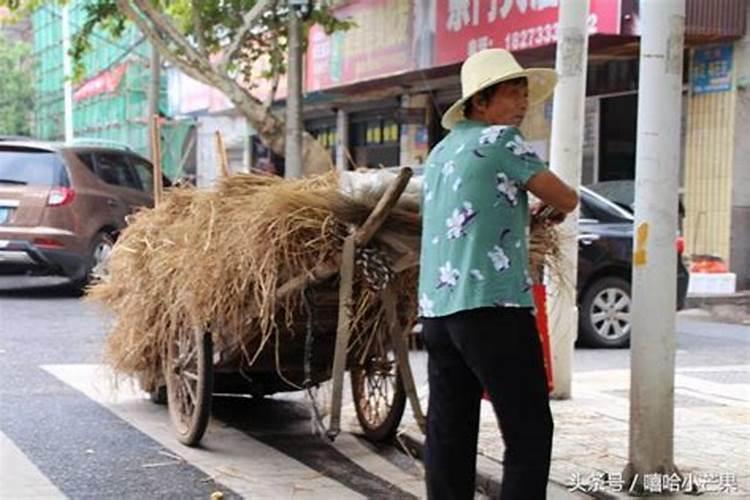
(379, 45)
(467, 26)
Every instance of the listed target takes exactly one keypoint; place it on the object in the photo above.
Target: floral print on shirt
(449, 276)
(490, 135)
(460, 220)
(519, 147)
(425, 306)
(507, 188)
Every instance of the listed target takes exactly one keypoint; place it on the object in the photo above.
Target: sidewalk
(730, 308)
(712, 433)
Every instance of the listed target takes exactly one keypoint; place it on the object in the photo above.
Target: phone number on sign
(539, 36)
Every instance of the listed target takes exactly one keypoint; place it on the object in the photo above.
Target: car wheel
(100, 250)
(605, 313)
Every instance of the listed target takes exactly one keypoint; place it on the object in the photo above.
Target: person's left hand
(541, 213)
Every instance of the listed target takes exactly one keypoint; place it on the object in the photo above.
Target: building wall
(414, 146)
(709, 158)
(235, 134)
(739, 244)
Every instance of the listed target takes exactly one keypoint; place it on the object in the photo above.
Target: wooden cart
(314, 351)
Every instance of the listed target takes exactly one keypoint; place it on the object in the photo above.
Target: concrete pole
(293, 147)
(154, 91)
(565, 160)
(67, 75)
(653, 339)
(342, 139)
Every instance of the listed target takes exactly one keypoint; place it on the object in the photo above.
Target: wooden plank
(221, 152)
(399, 333)
(156, 158)
(343, 334)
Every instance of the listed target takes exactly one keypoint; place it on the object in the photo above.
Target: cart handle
(383, 208)
(362, 237)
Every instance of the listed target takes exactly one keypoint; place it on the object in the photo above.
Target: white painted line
(20, 478)
(241, 463)
(366, 458)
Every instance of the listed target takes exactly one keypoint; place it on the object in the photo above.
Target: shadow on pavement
(25, 287)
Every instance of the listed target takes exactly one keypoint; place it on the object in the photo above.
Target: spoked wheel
(379, 396)
(189, 376)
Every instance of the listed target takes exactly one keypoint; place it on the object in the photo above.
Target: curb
(740, 299)
(486, 483)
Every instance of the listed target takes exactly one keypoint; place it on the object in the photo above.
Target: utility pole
(67, 75)
(293, 146)
(565, 160)
(653, 340)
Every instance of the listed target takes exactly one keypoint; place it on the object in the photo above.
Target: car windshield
(603, 209)
(621, 192)
(29, 167)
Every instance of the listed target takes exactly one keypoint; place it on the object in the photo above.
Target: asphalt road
(88, 450)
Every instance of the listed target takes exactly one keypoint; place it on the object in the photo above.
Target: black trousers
(496, 349)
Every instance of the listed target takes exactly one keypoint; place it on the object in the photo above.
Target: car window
(31, 167)
(586, 212)
(145, 173)
(114, 169)
(88, 160)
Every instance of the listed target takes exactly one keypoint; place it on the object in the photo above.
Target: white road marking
(20, 478)
(241, 463)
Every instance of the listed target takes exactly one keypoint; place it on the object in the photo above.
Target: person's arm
(552, 191)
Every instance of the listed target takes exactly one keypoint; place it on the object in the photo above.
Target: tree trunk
(271, 127)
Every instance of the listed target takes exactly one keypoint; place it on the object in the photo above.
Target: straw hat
(491, 66)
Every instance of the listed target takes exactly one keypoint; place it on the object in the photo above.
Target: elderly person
(474, 288)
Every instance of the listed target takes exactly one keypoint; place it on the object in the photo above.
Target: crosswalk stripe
(230, 457)
(360, 454)
(20, 478)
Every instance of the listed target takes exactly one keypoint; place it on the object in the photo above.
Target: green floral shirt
(475, 220)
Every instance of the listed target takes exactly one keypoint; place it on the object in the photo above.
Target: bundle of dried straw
(215, 259)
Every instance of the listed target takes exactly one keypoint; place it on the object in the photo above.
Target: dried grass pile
(215, 259)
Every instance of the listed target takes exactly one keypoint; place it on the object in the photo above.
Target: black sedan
(605, 250)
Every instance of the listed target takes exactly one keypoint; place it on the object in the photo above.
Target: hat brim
(541, 85)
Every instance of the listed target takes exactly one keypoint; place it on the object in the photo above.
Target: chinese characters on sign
(467, 26)
(601, 482)
(712, 69)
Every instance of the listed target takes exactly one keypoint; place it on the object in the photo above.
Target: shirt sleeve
(515, 157)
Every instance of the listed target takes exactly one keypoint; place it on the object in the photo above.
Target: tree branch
(164, 25)
(272, 93)
(198, 27)
(247, 23)
(274, 79)
(161, 45)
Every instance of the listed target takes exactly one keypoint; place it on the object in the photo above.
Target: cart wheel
(189, 375)
(379, 396)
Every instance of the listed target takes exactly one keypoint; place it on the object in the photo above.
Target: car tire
(605, 313)
(99, 250)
